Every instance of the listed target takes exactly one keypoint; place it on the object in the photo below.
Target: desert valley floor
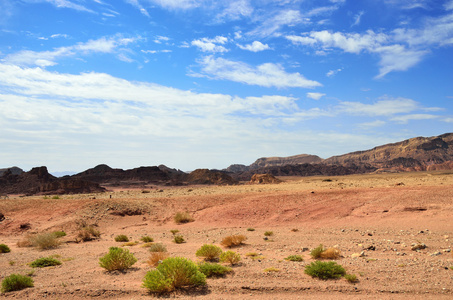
(385, 212)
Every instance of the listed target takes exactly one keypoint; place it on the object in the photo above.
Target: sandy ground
(351, 213)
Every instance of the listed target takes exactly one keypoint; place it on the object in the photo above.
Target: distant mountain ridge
(415, 154)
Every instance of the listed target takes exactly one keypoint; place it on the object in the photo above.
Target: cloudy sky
(208, 83)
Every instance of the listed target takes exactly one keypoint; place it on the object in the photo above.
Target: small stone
(418, 247)
(435, 253)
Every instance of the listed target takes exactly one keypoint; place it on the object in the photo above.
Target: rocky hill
(416, 154)
(39, 181)
(13, 170)
(267, 162)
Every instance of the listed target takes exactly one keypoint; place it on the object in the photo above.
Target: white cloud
(256, 46)
(333, 72)
(177, 4)
(270, 26)
(211, 45)
(315, 96)
(137, 5)
(449, 5)
(409, 4)
(357, 18)
(235, 10)
(397, 58)
(267, 75)
(159, 39)
(384, 107)
(49, 58)
(67, 4)
(373, 124)
(405, 119)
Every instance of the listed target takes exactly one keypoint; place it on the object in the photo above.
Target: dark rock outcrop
(205, 176)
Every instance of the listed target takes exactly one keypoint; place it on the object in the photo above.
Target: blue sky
(205, 84)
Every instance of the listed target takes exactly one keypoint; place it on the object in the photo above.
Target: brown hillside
(416, 154)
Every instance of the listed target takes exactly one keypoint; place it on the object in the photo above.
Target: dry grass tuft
(330, 253)
(233, 240)
(156, 258)
(183, 217)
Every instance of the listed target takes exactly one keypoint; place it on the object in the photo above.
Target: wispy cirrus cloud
(267, 75)
(67, 4)
(49, 58)
(211, 45)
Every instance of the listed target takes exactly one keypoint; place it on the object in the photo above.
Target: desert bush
(121, 238)
(45, 241)
(4, 248)
(213, 269)
(233, 240)
(250, 229)
(209, 252)
(146, 239)
(117, 259)
(294, 230)
(157, 248)
(59, 234)
(183, 217)
(129, 244)
(268, 233)
(45, 262)
(16, 282)
(174, 231)
(321, 253)
(147, 245)
(316, 252)
(325, 270)
(87, 233)
(230, 257)
(179, 239)
(352, 278)
(294, 258)
(331, 253)
(173, 273)
(25, 242)
(157, 257)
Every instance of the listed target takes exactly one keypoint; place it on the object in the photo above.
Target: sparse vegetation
(147, 245)
(294, 258)
(87, 232)
(271, 269)
(325, 270)
(179, 239)
(230, 257)
(174, 231)
(268, 233)
(250, 229)
(16, 282)
(129, 244)
(45, 262)
(121, 238)
(146, 239)
(157, 248)
(352, 278)
(157, 257)
(117, 259)
(233, 240)
(59, 234)
(4, 248)
(45, 241)
(25, 242)
(209, 252)
(294, 230)
(173, 273)
(56, 197)
(12, 262)
(213, 269)
(321, 253)
(183, 217)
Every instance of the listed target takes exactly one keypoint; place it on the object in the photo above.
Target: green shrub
(59, 234)
(325, 270)
(121, 238)
(157, 248)
(173, 273)
(56, 197)
(117, 259)
(294, 258)
(230, 257)
(209, 252)
(4, 248)
(16, 282)
(183, 217)
(352, 278)
(174, 231)
(268, 233)
(316, 252)
(250, 229)
(146, 239)
(179, 239)
(45, 262)
(45, 241)
(211, 270)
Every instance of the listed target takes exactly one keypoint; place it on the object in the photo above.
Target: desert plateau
(374, 220)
